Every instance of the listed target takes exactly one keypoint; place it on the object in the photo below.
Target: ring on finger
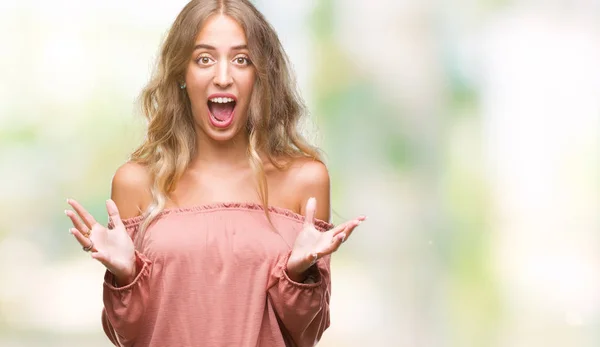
(90, 247)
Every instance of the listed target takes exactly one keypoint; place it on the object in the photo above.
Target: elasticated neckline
(249, 206)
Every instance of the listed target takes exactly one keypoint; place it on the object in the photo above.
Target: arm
(124, 306)
(303, 308)
(303, 305)
(125, 298)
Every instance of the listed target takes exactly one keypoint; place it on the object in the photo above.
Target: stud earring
(182, 85)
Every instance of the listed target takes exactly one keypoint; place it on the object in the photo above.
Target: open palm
(112, 247)
(312, 244)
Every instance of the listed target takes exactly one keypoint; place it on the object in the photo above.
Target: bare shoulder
(309, 173)
(310, 178)
(130, 189)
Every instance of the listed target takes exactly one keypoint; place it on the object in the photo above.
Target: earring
(182, 85)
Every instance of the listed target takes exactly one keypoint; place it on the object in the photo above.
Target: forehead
(221, 31)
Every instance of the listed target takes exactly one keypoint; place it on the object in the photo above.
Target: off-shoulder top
(214, 275)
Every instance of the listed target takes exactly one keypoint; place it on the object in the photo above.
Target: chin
(221, 134)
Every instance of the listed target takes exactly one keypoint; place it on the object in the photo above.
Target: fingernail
(343, 237)
(68, 200)
(71, 231)
(66, 213)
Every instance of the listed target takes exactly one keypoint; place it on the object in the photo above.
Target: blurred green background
(467, 131)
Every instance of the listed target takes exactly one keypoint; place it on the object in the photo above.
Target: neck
(226, 155)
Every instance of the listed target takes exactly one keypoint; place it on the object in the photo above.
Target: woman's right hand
(112, 247)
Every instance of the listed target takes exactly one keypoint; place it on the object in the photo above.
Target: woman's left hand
(312, 244)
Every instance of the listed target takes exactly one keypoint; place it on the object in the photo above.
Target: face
(219, 79)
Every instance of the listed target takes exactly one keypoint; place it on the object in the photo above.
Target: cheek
(196, 79)
(246, 80)
(250, 82)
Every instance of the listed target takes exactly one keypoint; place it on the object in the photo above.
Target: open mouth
(221, 111)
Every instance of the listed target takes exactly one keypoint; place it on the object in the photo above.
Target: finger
(88, 219)
(335, 244)
(354, 223)
(339, 228)
(349, 229)
(342, 237)
(83, 241)
(113, 213)
(311, 206)
(77, 223)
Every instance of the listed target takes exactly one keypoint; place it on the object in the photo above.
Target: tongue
(221, 112)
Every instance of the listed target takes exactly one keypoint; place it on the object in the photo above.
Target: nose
(223, 77)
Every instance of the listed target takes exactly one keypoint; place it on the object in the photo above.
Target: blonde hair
(274, 113)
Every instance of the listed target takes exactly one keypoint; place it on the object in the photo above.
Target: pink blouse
(215, 276)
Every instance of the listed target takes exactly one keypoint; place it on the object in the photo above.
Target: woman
(215, 237)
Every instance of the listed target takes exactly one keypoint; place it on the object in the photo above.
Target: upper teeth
(221, 100)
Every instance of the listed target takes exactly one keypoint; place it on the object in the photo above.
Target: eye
(242, 61)
(204, 60)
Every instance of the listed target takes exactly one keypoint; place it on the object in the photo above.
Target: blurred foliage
(426, 269)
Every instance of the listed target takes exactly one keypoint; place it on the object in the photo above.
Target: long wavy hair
(275, 111)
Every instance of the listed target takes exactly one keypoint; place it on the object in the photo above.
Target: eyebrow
(209, 47)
